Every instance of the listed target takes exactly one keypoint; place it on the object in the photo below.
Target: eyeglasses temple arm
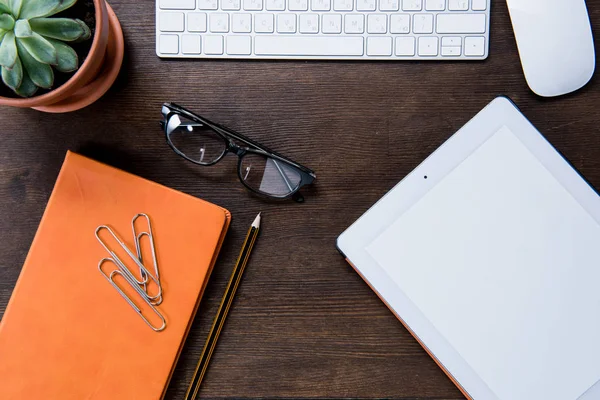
(238, 136)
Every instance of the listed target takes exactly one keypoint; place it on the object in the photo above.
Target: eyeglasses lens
(197, 142)
(269, 176)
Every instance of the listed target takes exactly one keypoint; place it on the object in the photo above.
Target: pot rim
(95, 51)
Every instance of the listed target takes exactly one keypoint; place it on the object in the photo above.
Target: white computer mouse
(555, 44)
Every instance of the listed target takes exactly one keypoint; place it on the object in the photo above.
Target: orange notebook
(67, 333)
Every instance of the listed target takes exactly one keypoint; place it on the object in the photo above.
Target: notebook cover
(67, 333)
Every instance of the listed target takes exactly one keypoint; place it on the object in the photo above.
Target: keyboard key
(219, 22)
(286, 23)
(451, 51)
(171, 22)
(332, 23)
(479, 5)
(213, 44)
(309, 23)
(276, 45)
(241, 23)
(377, 23)
(239, 45)
(400, 23)
(298, 5)
(253, 5)
(343, 5)
(354, 23)
(263, 23)
(379, 46)
(428, 46)
(460, 23)
(320, 5)
(405, 46)
(388, 5)
(451, 41)
(207, 4)
(191, 44)
(474, 46)
(177, 4)
(412, 5)
(423, 23)
(169, 44)
(196, 22)
(275, 5)
(435, 5)
(230, 5)
(366, 5)
(458, 5)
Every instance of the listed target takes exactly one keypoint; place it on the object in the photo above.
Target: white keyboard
(323, 29)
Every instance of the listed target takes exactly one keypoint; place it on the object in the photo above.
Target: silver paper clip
(123, 268)
(138, 247)
(133, 282)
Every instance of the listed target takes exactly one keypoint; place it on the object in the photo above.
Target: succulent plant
(31, 43)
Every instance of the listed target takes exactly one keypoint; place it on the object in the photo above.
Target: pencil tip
(256, 222)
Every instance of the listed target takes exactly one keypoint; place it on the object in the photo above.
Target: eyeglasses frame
(307, 176)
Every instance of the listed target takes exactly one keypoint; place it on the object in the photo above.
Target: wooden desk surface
(303, 324)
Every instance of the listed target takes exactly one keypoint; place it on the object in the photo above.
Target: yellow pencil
(232, 285)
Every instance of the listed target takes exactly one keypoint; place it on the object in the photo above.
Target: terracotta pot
(93, 78)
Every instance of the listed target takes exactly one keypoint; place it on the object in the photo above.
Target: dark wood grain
(304, 325)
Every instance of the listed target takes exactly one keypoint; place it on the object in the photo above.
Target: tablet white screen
(505, 264)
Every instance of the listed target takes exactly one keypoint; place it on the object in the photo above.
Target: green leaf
(15, 7)
(4, 7)
(41, 74)
(64, 4)
(58, 28)
(13, 77)
(27, 88)
(38, 8)
(67, 57)
(23, 29)
(7, 22)
(88, 32)
(2, 33)
(41, 49)
(8, 50)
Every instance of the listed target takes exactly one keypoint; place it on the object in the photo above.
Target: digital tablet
(489, 254)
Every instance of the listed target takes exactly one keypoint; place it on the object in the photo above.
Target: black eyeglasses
(260, 169)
